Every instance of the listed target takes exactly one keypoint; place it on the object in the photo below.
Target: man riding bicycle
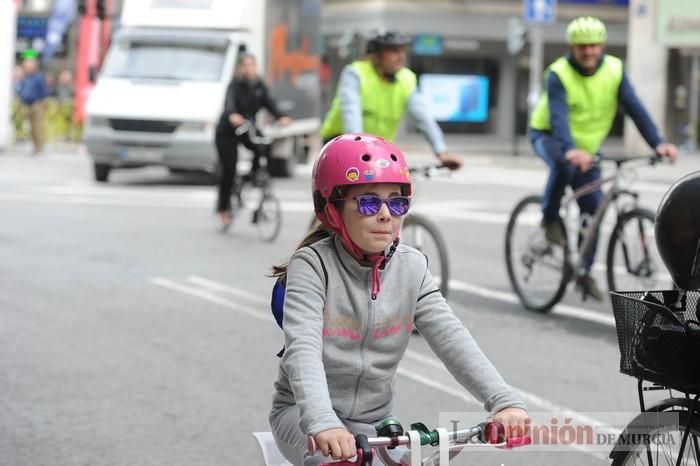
(373, 94)
(572, 119)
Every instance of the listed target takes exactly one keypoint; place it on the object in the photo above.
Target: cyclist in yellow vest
(572, 119)
(373, 94)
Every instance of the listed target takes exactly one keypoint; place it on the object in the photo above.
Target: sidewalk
(477, 149)
(490, 150)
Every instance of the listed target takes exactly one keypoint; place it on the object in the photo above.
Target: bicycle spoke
(663, 449)
(633, 260)
(537, 268)
(421, 234)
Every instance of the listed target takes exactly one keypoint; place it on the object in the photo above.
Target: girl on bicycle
(353, 294)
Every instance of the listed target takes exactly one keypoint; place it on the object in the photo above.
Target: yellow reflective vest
(383, 103)
(592, 101)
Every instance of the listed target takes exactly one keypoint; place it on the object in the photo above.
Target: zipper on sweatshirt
(367, 326)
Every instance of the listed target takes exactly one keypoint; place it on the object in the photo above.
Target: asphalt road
(131, 332)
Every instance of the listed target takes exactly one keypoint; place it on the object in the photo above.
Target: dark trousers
(227, 148)
(561, 175)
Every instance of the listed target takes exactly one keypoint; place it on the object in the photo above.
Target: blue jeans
(561, 175)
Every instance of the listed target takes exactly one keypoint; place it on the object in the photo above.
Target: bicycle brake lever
(365, 455)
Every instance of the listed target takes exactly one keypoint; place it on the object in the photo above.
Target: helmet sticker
(369, 175)
(382, 163)
(352, 174)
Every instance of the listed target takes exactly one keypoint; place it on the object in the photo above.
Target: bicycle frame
(591, 230)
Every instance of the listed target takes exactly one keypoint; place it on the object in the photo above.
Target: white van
(161, 90)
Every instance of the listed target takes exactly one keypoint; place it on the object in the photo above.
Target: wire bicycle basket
(658, 334)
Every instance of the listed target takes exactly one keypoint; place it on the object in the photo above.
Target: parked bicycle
(540, 271)
(422, 234)
(659, 338)
(390, 434)
(255, 189)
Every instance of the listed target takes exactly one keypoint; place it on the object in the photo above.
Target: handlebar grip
(365, 455)
(515, 442)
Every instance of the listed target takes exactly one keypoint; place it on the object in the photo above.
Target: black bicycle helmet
(387, 39)
(678, 231)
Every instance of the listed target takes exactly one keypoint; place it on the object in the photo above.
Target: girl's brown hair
(317, 233)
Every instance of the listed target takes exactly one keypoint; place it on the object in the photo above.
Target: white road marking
(216, 286)
(258, 314)
(531, 399)
(560, 309)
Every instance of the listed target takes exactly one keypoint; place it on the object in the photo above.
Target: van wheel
(102, 172)
(282, 168)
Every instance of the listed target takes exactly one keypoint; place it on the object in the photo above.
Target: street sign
(678, 23)
(540, 11)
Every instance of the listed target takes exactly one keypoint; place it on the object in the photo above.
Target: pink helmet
(353, 159)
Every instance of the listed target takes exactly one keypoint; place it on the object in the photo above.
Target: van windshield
(178, 62)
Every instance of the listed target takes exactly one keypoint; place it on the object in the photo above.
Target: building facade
(473, 39)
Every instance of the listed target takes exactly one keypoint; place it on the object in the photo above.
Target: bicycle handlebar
(487, 433)
(619, 160)
(653, 159)
(255, 135)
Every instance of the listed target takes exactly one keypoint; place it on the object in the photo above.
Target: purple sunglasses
(370, 204)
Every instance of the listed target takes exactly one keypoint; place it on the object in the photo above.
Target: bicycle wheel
(422, 234)
(268, 217)
(663, 445)
(537, 269)
(633, 261)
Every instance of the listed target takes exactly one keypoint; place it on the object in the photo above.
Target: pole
(536, 64)
(516, 150)
(694, 101)
(8, 23)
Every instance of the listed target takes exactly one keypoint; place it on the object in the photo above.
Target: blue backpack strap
(277, 301)
(279, 290)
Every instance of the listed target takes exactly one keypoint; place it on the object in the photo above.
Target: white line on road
(560, 309)
(529, 398)
(164, 282)
(216, 286)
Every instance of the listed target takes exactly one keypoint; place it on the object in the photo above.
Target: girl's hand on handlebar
(667, 150)
(452, 162)
(515, 420)
(338, 443)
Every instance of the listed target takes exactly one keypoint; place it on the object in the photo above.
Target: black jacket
(246, 98)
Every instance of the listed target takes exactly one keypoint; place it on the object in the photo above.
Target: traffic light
(516, 35)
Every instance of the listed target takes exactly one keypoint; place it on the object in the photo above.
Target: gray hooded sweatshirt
(343, 348)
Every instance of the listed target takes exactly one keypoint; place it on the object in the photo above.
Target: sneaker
(590, 288)
(225, 219)
(554, 232)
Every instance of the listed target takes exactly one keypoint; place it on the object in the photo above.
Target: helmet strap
(335, 222)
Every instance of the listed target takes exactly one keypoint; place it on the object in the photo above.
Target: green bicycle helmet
(586, 30)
